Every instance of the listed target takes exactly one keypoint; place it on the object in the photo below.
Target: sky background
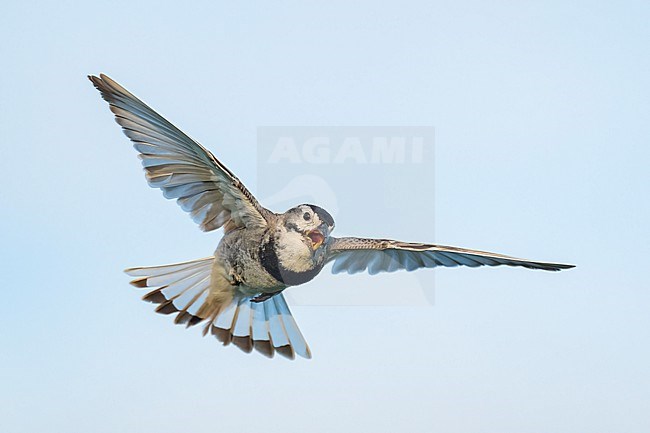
(540, 112)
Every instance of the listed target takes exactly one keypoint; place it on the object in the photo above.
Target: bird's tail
(196, 292)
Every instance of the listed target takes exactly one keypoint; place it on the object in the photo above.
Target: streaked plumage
(238, 290)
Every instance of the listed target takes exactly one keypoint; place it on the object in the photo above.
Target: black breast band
(270, 262)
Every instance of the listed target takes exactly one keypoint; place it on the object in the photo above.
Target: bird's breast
(289, 266)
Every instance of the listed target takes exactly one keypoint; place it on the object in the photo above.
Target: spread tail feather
(190, 289)
(178, 288)
(267, 327)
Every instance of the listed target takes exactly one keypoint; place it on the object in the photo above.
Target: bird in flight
(237, 291)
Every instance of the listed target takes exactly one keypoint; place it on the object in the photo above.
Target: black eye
(306, 216)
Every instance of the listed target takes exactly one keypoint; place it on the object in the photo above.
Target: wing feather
(353, 255)
(181, 167)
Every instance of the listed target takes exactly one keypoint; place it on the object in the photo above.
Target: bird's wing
(181, 167)
(353, 255)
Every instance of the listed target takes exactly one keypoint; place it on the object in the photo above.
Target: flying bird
(237, 291)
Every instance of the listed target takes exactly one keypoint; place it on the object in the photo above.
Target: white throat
(293, 253)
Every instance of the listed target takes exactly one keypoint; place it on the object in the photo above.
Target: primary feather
(180, 166)
(354, 255)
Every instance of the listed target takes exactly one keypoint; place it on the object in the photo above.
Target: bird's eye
(306, 216)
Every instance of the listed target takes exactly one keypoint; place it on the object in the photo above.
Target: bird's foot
(235, 280)
(263, 297)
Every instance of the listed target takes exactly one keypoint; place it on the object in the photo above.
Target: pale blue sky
(541, 116)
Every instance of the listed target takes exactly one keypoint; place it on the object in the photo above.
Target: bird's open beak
(316, 237)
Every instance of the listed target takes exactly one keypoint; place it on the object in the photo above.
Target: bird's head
(296, 250)
(313, 223)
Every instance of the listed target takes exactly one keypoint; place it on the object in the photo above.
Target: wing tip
(98, 81)
(562, 266)
(109, 88)
(101, 78)
(543, 266)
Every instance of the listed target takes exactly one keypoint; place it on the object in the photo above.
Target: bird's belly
(256, 277)
(238, 252)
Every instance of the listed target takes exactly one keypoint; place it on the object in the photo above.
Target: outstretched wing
(181, 167)
(353, 255)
